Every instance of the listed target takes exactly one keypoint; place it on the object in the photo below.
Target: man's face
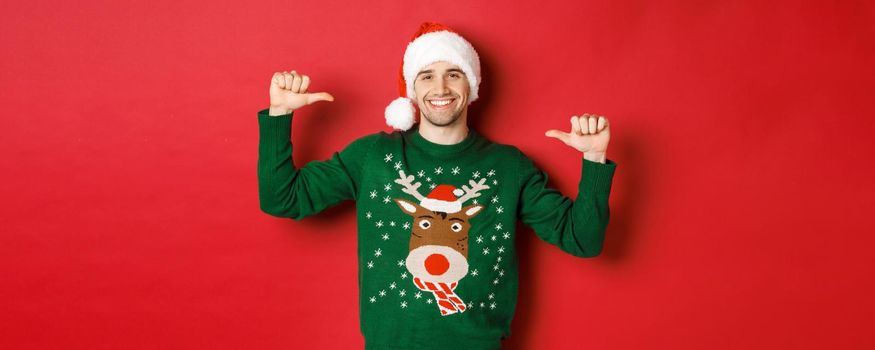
(442, 93)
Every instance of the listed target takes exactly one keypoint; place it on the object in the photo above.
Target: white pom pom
(458, 192)
(400, 113)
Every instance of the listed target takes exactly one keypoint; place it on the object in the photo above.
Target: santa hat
(433, 42)
(443, 198)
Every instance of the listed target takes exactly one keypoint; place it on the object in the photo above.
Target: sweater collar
(439, 149)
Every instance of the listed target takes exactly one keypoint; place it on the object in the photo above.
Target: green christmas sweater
(436, 226)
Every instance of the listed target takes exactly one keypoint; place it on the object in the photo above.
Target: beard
(441, 118)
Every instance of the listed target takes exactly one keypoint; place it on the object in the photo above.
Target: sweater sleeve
(577, 227)
(287, 191)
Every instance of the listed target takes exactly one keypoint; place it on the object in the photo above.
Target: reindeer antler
(409, 187)
(472, 192)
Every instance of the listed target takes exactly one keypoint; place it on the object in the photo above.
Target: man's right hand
(288, 92)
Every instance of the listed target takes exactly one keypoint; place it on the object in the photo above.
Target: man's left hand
(589, 134)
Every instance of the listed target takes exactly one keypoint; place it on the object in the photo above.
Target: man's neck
(444, 135)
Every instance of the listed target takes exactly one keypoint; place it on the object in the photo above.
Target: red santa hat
(443, 198)
(433, 42)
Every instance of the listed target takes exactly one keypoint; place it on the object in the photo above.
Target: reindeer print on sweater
(442, 234)
(438, 256)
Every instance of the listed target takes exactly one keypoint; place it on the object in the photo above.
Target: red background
(742, 210)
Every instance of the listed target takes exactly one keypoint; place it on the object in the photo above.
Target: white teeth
(440, 102)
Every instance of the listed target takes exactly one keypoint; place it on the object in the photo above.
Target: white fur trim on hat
(445, 46)
(400, 114)
(439, 205)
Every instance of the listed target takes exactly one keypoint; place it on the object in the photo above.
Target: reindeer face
(439, 239)
(439, 228)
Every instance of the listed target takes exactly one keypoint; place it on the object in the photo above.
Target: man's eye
(426, 77)
(454, 75)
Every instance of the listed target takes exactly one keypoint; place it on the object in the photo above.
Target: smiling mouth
(443, 103)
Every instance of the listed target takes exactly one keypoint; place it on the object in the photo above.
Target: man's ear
(472, 210)
(406, 206)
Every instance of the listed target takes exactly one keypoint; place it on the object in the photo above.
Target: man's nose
(442, 86)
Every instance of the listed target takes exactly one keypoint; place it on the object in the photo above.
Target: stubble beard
(443, 119)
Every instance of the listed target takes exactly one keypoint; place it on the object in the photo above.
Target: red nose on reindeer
(437, 264)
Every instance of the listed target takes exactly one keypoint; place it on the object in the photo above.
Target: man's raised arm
(284, 190)
(577, 227)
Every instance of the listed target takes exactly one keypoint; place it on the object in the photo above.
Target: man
(437, 204)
